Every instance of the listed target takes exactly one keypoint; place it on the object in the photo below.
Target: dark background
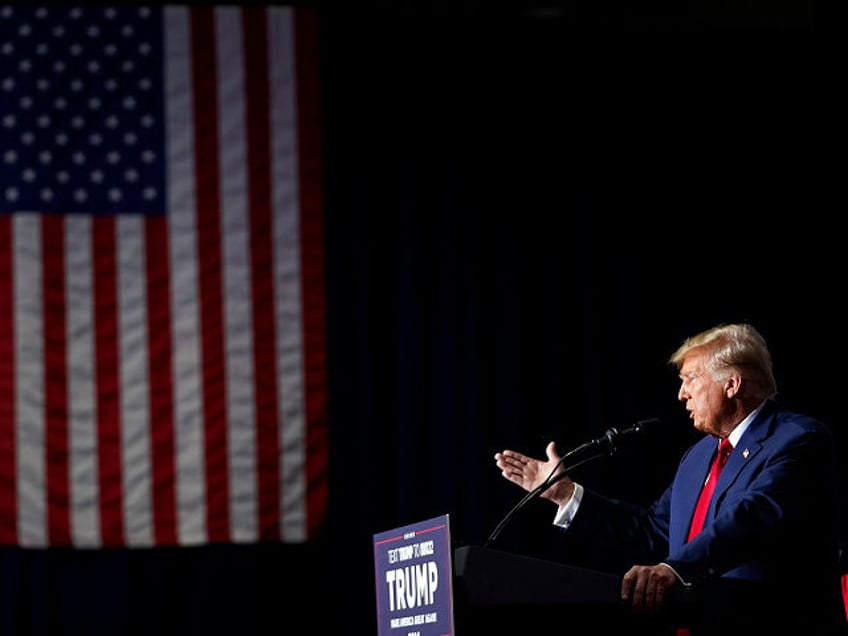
(528, 208)
(527, 214)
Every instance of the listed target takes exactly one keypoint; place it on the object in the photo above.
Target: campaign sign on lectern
(414, 578)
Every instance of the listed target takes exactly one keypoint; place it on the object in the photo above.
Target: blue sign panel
(414, 579)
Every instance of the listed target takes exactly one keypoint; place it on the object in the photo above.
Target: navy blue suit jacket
(773, 520)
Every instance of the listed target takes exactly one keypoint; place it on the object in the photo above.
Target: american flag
(162, 345)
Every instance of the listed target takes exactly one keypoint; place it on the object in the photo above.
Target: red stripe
(209, 260)
(312, 267)
(255, 36)
(55, 379)
(163, 453)
(8, 436)
(107, 373)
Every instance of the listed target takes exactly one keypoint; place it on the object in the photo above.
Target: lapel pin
(745, 453)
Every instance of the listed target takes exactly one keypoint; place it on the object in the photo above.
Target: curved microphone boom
(606, 444)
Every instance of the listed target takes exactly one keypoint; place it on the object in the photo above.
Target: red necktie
(720, 460)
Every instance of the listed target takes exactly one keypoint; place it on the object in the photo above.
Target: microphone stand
(607, 447)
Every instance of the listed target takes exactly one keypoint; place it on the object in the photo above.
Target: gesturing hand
(530, 473)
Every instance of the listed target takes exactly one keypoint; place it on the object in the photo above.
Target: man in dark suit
(768, 526)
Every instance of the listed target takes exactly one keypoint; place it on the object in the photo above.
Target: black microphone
(606, 444)
(611, 439)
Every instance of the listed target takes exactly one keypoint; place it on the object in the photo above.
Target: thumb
(550, 451)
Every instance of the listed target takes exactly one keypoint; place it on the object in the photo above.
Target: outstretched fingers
(514, 466)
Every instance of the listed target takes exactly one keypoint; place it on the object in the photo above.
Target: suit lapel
(747, 448)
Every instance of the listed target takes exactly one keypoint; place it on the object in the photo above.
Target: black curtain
(525, 221)
(524, 218)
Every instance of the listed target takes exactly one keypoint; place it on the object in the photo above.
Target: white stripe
(134, 381)
(188, 424)
(287, 275)
(29, 379)
(82, 405)
(238, 323)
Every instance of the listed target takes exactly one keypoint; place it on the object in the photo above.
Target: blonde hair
(739, 347)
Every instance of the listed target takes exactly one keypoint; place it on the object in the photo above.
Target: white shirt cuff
(565, 514)
(679, 578)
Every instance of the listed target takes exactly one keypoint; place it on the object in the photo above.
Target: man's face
(706, 399)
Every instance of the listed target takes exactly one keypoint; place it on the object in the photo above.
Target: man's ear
(733, 385)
